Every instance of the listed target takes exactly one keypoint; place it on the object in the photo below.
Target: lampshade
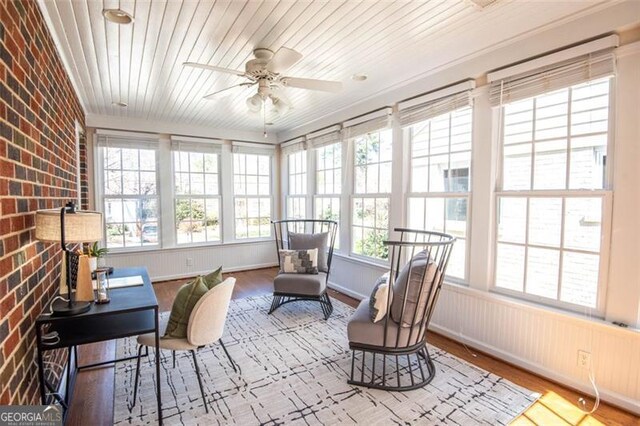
(79, 227)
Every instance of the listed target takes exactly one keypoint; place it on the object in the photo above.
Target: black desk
(132, 311)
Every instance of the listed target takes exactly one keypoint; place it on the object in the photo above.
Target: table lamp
(68, 225)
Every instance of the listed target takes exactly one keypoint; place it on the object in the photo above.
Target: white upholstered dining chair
(206, 325)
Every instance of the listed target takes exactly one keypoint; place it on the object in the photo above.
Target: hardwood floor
(93, 397)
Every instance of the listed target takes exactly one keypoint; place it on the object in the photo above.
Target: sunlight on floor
(552, 409)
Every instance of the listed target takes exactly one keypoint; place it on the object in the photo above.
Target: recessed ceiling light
(359, 77)
(119, 104)
(117, 16)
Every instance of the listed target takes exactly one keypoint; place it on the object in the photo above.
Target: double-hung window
(129, 192)
(197, 193)
(553, 192)
(328, 182)
(252, 194)
(297, 191)
(440, 135)
(371, 193)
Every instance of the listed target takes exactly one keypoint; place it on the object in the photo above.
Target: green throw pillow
(185, 301)
(213, 279)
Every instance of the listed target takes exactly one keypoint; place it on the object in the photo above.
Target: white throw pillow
(378, 300)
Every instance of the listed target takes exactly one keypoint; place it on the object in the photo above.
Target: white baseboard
(606, 395)
(224, 270)
(346, 291)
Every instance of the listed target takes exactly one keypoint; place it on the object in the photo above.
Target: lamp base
(61, 308)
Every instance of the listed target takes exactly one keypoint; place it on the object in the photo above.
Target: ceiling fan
(265, 71)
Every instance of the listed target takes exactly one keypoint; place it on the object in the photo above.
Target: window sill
(113, 252)
(361, 261)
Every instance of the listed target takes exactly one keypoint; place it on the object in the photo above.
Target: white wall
(165, 264)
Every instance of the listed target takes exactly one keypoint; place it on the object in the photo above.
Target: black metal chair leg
(174, 358)
(135, 386)
(233, 364)
(195, 363)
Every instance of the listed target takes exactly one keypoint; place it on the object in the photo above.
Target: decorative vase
(84, 287)
(93, 264)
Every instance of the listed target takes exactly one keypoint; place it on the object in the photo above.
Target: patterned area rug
(293, 369)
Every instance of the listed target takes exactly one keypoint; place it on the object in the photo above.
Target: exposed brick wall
(38, 170)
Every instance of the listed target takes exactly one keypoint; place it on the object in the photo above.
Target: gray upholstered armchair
(388, 332)
(304, 234)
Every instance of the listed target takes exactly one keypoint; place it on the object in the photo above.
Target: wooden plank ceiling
(390, 41)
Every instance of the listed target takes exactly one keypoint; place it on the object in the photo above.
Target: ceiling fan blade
(214, 68)
(283, 59)
(215, 94)
(311, 84)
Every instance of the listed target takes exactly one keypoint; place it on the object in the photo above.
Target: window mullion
(526, 247)
(561, 251)
(569, 137)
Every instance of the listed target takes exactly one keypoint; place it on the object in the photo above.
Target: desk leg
(67, 384)
(157, 332)
(43, 396)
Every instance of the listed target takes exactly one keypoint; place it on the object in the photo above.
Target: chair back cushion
(183, 305)
(312, 241)
(416, 298)
(206, 323)
(299, 261)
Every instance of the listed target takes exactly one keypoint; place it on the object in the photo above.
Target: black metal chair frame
(282, 229)
(195, 364)
(438, 246)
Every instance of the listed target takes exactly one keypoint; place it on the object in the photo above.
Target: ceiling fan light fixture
(281, 108)
(254, 103)
(117, 16)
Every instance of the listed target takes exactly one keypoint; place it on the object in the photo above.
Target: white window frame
(336, 147)
(606, 194)
(101, 196)
(247, 197)
(407, 135)
(191, 196)
(294, 196)
(355, 195)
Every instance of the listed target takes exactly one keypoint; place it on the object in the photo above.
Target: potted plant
(94, 253)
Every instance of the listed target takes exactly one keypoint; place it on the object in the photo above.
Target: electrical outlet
(584, 360)
(189, 261)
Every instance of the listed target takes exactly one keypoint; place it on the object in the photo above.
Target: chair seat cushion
(300, 284)
(361, 330)
(170, 343)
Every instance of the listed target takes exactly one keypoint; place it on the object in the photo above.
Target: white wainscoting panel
(537, 339)
(352, 277)
(171, 263)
